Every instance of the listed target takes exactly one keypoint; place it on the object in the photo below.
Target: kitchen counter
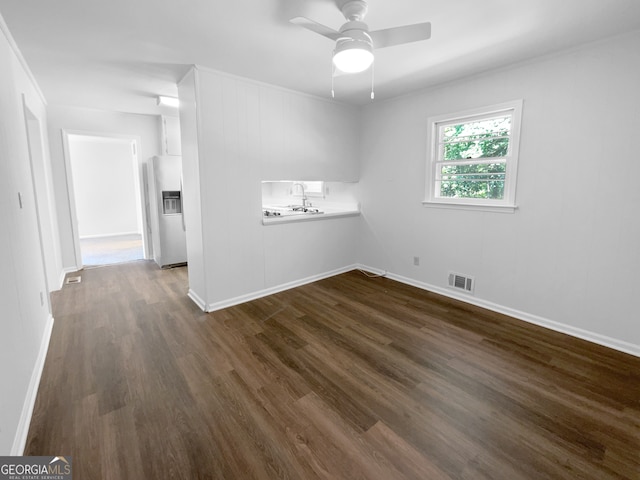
(291, 217)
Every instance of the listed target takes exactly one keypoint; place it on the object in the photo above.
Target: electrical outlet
(416, 261)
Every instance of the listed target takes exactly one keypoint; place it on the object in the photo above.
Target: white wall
(191, 194)
(90, 121)
(25, 319)
(106, 186)
(570, 253)
(249, 132)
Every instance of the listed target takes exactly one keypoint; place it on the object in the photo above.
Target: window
(311, 189)
(474, 157)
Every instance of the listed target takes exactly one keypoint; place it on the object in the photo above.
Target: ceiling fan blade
(399, 35)
(316, 27)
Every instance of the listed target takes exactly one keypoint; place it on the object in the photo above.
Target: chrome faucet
(304, 197)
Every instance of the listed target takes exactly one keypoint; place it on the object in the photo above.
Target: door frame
(35, 148)
(138, 177)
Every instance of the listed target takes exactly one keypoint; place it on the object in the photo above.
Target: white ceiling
(120, 54)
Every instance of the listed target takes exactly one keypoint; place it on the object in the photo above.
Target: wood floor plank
(408, 461)
(113, 431)
(350, 377)
(359, 459)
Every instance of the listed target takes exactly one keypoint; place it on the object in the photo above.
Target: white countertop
(328, 213)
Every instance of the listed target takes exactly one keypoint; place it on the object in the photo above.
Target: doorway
(42, 200)
(109, 218)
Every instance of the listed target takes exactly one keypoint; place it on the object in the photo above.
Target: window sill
(468, 206)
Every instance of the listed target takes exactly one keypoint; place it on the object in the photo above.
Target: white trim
(65, 271)
(20, 440)
(593, 337)
(23, 63)
(106, 235)
(278, 288)
(63, 275)
(40, 203)
(71, 199)
(201, 193)
(480, 207)
(138, 179)
(511, 159)
(197, 300)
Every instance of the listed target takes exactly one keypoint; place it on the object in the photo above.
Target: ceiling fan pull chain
(333, 75)
(373, 65)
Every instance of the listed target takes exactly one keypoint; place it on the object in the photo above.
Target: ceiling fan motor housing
(355, 31)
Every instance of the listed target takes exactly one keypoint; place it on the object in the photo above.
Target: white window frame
(506, 204)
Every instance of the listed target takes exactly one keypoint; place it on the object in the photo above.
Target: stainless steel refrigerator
(167, 224)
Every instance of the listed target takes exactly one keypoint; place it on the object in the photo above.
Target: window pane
(494, 147)
(473, 181)
(477, 139)
(313, 187)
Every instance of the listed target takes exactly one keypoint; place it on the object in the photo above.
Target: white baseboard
(106, 235)
(593, 337)
(197, 300)
(63, 275)
(20, 440)
(278, 288)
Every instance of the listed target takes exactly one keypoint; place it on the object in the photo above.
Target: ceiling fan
(353, 52)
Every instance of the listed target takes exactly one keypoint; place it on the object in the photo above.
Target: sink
(286, 210)
(303, 209)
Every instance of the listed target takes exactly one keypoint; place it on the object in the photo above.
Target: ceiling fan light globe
(353, 57)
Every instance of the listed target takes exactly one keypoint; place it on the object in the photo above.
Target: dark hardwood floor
(349, 377)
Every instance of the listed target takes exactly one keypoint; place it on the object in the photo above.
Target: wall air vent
(461, 282)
